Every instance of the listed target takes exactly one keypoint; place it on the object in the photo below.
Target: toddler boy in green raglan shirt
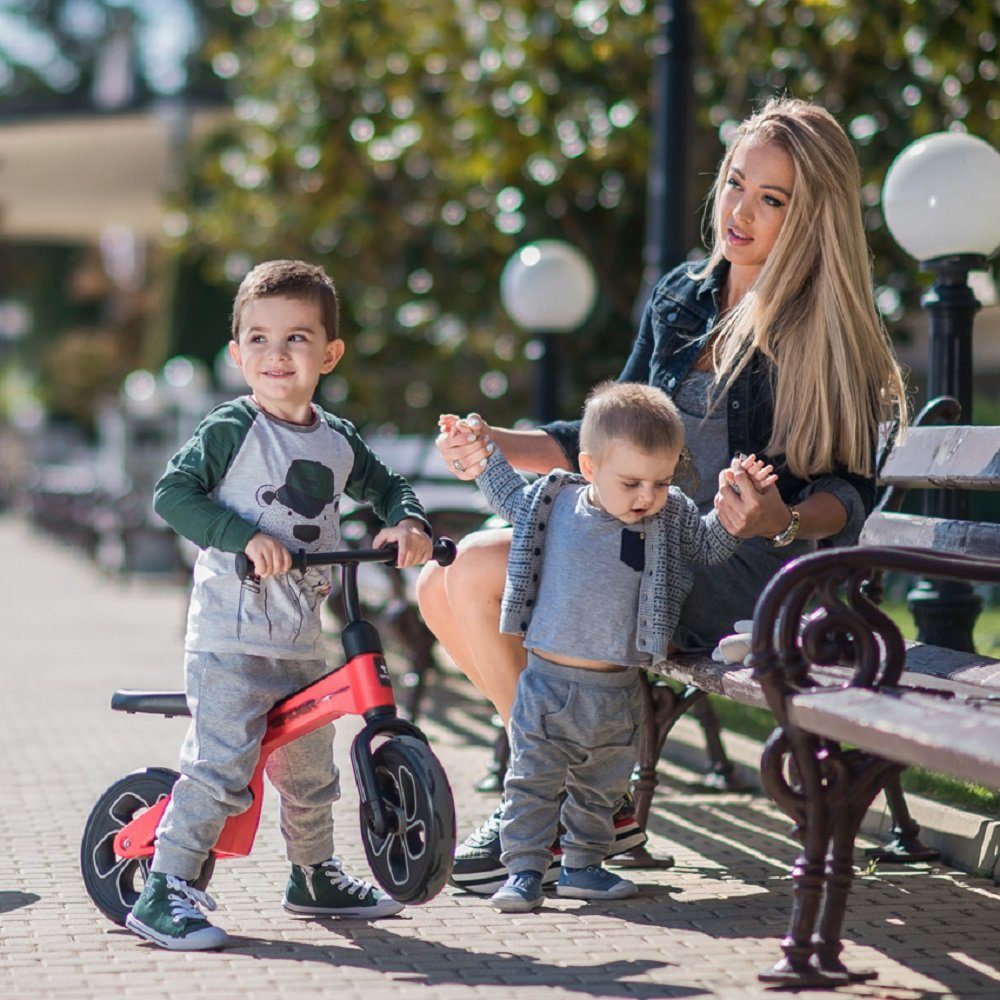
(264, 474)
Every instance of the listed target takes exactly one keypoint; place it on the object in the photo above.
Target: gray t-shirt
(708, 439)
(588, 596)
(244, 471)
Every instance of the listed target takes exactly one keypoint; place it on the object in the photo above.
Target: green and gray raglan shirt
(244, 471)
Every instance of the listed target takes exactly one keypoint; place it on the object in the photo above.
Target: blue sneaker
(519, 894)
(593, 882)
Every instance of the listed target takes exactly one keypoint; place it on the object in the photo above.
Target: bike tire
(413, 860)
(112, 882)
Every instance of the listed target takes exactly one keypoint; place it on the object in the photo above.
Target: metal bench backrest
(949, 457)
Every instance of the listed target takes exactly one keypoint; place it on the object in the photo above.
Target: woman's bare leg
(461, 606)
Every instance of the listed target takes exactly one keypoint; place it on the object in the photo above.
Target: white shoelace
(186, 901)
(487, 831)
(339, 879)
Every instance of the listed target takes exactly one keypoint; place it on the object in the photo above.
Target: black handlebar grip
(445, 551)
(244, 566)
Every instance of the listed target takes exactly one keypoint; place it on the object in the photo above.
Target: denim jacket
(674, 327)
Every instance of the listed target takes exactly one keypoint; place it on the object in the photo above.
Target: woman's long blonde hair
(811, 310)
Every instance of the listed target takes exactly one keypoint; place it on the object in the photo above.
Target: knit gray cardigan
(677, 537)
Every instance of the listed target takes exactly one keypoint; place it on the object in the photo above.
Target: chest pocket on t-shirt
(633, 550)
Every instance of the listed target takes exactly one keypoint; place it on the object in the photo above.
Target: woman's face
(758, 187)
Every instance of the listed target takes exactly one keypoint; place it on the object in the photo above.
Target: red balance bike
(407, 810)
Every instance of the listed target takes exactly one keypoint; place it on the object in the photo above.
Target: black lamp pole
(546, 404)
(667, 177)
(945, 611)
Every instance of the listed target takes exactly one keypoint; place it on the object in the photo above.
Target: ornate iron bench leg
(859, 777)
(808, 807)
(905, 847)
(721, 775)
(832, 791)
(662, 707)
(414, 636)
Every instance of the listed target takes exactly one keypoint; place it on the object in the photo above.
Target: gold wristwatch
(787, 536)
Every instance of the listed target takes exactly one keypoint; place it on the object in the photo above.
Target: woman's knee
(480, 567)
(432, 598)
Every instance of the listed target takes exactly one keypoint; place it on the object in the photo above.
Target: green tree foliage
(52, 50)
(412, 145)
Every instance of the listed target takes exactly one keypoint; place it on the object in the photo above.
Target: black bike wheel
(114, 883)
(413, 860)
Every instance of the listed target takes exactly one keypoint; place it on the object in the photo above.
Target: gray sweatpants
(574, 731)
(230, 696)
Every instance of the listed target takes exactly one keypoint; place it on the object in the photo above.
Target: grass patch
(758, 723)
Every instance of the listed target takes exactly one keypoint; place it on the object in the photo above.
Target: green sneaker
(324, 890)
(168, 913)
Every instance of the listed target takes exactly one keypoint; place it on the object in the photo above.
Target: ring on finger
(458, 466)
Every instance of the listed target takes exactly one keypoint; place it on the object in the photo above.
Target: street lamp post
(941, 200)
(667, 222)
(548, 288)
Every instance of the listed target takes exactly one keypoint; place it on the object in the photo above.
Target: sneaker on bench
(479, 870)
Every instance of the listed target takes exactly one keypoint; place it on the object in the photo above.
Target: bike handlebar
(444, 554)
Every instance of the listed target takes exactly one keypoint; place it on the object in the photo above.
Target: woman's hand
(410, 537)
(748, 503)
(465, 443)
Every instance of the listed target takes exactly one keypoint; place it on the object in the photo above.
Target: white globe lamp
(548, 288)
(942, 197)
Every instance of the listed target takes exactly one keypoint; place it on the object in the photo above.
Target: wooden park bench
(854, 703)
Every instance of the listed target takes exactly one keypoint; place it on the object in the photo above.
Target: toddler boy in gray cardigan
(600, 564)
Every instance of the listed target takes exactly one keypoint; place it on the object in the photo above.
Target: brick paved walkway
(71, 635)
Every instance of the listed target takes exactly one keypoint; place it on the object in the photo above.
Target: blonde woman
(772, 347)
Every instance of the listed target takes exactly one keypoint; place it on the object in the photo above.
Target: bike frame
(361, 686)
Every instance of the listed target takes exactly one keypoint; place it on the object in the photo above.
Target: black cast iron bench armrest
(855, 705)
(844, 627)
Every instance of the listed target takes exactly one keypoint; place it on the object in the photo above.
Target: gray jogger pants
(571, 730)
(230, 696)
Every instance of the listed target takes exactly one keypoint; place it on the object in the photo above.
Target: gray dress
(727, 592)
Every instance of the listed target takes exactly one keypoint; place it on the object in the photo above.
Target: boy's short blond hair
(293, 279)
(640, 414)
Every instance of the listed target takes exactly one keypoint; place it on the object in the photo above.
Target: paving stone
(71, 635)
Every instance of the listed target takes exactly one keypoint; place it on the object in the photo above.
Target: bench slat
(969, 670)
(909, 727)
(940, 534)
(730, 679)
(959, 456)
(927, 666)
